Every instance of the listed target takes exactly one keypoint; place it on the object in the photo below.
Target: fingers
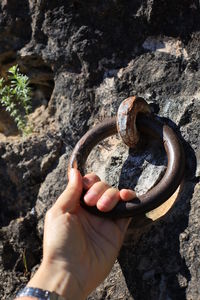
(108, 200)
(89, 180)
(103, 196)
(127, 195)
(99, 194)
(95, 192)
(69, 199)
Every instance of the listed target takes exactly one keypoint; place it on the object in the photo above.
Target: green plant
(16, 98)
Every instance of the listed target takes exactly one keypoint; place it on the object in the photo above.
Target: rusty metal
(126, 119)
(146, 125)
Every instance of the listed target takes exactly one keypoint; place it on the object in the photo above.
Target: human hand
(79, 249)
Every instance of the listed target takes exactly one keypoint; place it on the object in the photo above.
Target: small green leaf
(16, 98)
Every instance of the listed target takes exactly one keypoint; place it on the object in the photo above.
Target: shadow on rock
(152, 259)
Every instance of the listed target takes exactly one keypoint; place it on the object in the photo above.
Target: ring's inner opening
(139, 169)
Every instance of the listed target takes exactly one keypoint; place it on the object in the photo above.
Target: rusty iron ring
(172, 178)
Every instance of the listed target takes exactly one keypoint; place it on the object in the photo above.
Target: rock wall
(83, 58)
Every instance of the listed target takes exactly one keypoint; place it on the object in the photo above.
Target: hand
(80, 249)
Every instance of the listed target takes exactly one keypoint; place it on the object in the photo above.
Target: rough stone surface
(83, 60)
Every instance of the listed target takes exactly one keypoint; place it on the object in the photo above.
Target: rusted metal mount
(130, 125)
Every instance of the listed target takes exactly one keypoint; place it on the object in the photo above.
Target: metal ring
(155, 196)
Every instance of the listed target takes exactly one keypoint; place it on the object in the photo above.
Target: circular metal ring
(155, 196)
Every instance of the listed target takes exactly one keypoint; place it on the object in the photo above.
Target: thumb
(69, 199)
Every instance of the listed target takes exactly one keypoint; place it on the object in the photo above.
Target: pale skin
(79, 249)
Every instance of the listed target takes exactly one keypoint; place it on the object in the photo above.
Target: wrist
(55, 278)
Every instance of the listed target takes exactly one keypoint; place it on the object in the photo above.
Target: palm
(101, 238)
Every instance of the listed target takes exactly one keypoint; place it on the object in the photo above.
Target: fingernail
(72, 175)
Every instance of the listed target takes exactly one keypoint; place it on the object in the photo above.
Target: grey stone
(83, 60)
